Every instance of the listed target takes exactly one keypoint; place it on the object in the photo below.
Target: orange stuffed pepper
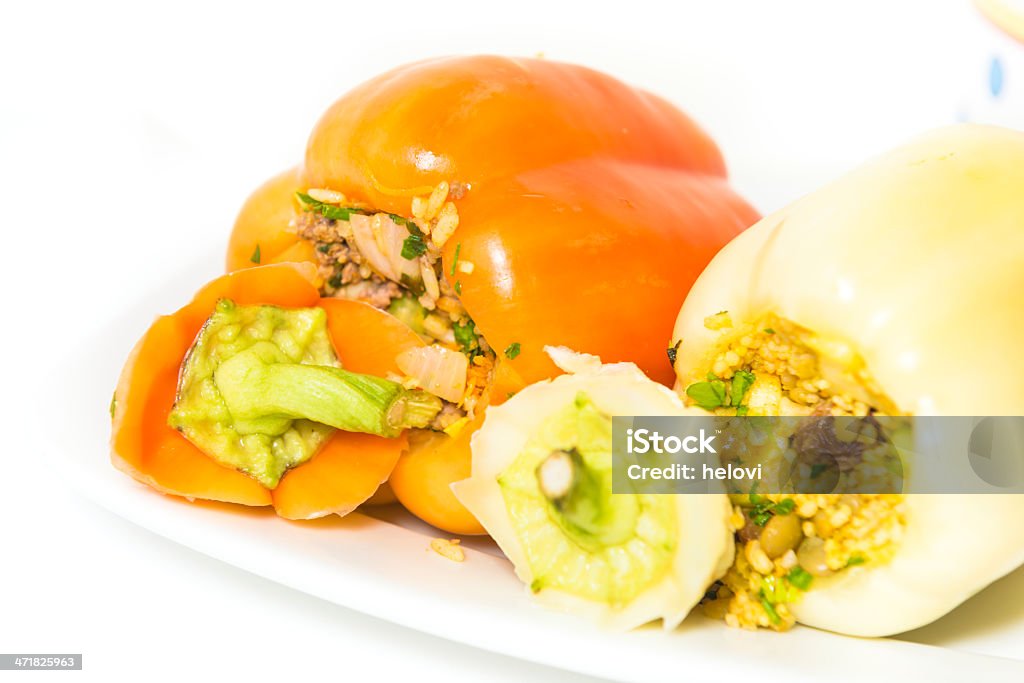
(491, 207)
(232, 396)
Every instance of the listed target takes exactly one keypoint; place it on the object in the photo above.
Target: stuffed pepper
(893, 291)
(495, 206)
(254, 393)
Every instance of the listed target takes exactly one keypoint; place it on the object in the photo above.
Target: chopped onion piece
(436, 369)
(379, 240)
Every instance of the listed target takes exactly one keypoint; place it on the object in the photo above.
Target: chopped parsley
(324, 248)
(799, 578)
(855, 560)
(763, 509)
(769, 609)
(255, 258)
(512, 350)
(113, 405)
(741, 381)
(710, 394)
(776, 591)
(407, 222)
(673, 351)
(717, 393)
(413, 247)
(334, 213)
(465, 335)
(335, 281)
(455, 263)
(769, 330)
(458, 287)
(784, 507)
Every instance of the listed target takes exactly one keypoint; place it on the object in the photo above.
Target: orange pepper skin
(263, 221)
(423, 477)
(342, 475)
(472, 120)
(478, 119)
(595, 255)
(349, 324)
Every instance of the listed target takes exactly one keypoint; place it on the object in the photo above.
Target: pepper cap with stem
(261, 391)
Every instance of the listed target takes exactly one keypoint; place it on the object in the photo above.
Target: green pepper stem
(257, 392)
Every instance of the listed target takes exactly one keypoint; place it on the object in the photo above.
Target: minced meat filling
(340, 266)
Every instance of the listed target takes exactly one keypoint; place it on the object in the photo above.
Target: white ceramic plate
(382, 566)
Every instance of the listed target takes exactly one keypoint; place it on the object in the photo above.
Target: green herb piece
(761, 518)
(255, 258)
(764, 509)
(817, 468)
(512, 350)
(741, 381)
(673, 351)
(455, 262)
(402, 220)
(413, 247)
(339, 213)
(708, 395)
(784, 507)
(465, 335)
(335, 281)
(800, 578)
(769, 330)
(755, 498)
(776, 590)
(334, 213)
(855, 560)
(773, 615)
(324, 248)
(510, 395)
(458, 287)
(113, 404)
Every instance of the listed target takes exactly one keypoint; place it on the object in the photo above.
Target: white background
(130, 134)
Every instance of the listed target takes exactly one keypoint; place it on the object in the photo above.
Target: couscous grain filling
(785, 543)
